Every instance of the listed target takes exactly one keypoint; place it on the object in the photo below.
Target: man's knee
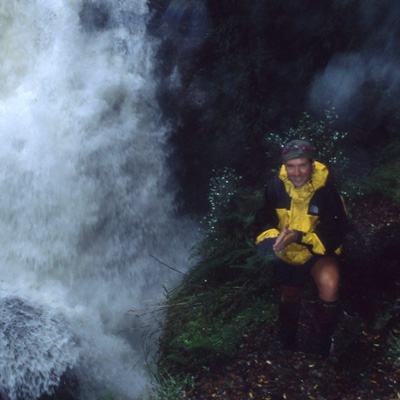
(326, 271)
(330, 280)
(326, 274)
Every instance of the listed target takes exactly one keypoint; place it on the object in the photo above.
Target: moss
(385, 180)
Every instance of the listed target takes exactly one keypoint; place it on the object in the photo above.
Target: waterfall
(85, 197)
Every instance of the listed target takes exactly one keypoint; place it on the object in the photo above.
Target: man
(303, 222)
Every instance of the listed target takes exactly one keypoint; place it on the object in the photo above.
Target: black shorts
(293, 275)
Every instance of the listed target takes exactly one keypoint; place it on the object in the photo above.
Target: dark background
(230, 72)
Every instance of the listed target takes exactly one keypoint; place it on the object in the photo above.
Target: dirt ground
(361, 369)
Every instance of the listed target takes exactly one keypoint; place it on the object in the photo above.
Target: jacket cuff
(299, 237)
(265, 247)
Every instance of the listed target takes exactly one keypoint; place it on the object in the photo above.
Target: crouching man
(303, 221)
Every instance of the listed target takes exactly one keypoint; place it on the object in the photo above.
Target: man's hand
(286, 237)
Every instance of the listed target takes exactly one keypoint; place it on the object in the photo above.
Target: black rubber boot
(288, 322)
(325, 320)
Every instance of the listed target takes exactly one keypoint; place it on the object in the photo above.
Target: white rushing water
(83, 197)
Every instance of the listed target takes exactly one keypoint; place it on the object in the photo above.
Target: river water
(85, 198)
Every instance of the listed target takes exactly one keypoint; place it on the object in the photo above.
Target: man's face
(299, 171)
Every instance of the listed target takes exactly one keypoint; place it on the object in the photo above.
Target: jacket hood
(318, 179)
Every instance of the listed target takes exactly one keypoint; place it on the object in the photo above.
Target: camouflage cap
(298, 149)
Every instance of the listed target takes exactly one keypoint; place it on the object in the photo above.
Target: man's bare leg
(326, 314)
(326, 274)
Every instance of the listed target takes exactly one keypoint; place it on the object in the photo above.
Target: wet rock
(38, 353)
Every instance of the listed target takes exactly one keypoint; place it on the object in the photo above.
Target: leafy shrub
(210, 324)
(228, 243)
(384, 180)
(321, 133)
(228, 290)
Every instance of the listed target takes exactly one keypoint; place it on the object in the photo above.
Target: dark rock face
(231, 72)
(68, 388)
(371, 276)
(375, 231)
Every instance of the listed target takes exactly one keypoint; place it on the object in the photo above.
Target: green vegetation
(228, 290)
(384, 180)
(171, 387)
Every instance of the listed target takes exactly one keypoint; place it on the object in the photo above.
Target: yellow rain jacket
(315, 209)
